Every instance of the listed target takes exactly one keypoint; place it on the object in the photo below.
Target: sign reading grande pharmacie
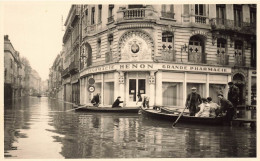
(158, 66)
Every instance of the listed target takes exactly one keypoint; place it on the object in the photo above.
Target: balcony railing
(74, 67)
(200, 19)
(168, 55)
(196, 57)
(225, 24)
(222, 59)
(240, 60)
(65, 72)
(168, 15)
(134, 13)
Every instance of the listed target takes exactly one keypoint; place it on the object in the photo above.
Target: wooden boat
(170, 115)
(108, 109)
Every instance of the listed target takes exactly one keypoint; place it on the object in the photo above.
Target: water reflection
(44, 128)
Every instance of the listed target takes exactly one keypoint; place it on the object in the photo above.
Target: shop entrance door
(136, 86)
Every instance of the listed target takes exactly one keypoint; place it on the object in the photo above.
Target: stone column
(207, 86)
(152, 88)
(158, 84)
(121, 81)
(184, 89)
(116, 85)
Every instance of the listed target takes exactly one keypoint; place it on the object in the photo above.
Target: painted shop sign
(154, 67)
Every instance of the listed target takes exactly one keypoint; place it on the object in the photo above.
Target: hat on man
(230, 83)
(193, 88)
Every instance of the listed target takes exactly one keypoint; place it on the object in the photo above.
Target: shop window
(222, 56)
(239, 59)
(99, 13)
(172, 94)
(238, 15)
(201, 88)
(108, 93)
(99, 48)
(214, 90)
(196, 50)
(221, 13)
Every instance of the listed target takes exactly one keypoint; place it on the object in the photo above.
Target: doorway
(136, 86)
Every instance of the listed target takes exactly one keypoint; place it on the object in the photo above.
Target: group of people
(208, 108)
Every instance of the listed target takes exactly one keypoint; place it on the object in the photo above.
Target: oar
(75, 108)
(178, 118)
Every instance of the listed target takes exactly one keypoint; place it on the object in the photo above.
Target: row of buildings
(19, 78)
(159, 50)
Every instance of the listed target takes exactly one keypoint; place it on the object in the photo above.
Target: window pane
(172, 94)
(201, 9)
(201, 88)
(196, 9)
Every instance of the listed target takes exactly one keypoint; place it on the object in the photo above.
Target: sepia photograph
(129, 80)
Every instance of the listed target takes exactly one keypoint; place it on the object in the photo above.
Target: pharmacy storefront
(165, 84)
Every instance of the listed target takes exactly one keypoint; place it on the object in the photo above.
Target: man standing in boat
(226, 106)
(192, 101)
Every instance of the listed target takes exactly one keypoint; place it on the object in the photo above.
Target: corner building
(164, 50)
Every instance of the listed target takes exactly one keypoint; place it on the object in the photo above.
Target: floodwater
(44, 128)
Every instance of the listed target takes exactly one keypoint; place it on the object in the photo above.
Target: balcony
(168, 55)
(74, 67)
(240, 60)
(200, 19)
(169, 15)
(196, 57)
(134, 13)
(222, 59)
(65, 73)
(228, 25)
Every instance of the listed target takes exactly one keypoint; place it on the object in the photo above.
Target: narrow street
(46, 128)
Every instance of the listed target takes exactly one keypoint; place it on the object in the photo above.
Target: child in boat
(214, 108)
(204, 109)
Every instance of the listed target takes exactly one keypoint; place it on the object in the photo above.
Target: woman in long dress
(204, 109)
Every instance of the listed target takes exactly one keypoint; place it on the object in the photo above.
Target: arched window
(196, 49)
(222, 57)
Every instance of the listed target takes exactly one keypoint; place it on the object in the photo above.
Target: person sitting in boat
(214, 108)
(204, 109)
(117, 102)
(96, 100)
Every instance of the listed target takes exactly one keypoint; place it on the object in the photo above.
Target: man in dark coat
(233, 96)
(96, 100)
(192, 101)
(117, 102)
(226, 106)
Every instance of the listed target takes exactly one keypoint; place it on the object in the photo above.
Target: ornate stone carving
(135, 46)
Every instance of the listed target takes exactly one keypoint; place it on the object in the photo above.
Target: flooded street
(44, 128)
